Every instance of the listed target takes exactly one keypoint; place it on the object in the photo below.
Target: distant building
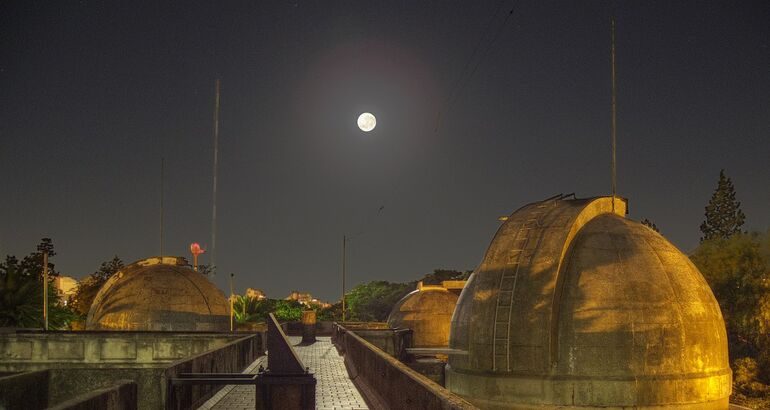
(255, 293)
(307, 299)
(66, 286)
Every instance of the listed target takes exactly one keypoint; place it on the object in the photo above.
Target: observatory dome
(428, 312)
(159, 294)
(575, 306)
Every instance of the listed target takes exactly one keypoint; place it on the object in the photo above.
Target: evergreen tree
(89, 286)
(21, 291)
(724, 217)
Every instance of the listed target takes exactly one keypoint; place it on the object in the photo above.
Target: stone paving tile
(334, 389)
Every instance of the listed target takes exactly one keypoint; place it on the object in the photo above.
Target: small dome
(428, 312)
(576, 306)
(159, 294)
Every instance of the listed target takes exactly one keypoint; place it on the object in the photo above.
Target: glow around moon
(367, 122)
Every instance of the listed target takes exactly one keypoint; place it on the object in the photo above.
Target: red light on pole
(196, 250)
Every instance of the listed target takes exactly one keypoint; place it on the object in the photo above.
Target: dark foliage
(724, 217)
(89, 286)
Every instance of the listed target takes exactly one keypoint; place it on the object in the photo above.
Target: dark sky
(92, 94)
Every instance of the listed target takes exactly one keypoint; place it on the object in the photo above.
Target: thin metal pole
(214, 193)
(614, 124)
(162, 170)
(45, 290)
(344, 240)
(232, 294)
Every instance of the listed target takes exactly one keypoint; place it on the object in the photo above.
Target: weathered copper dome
(574, 306)
(159, 294)
(428, 312)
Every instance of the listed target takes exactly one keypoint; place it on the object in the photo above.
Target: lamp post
(45, 290)
(45, 248)
(344, 240)
(232, 295)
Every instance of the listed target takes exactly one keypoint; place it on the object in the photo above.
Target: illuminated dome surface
(428, 312)
(574, 306)
(155, 294)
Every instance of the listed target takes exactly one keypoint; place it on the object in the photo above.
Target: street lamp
(232, 295)
(344, 241)
(45, 248)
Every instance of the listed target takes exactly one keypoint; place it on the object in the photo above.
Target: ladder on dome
(501, 332)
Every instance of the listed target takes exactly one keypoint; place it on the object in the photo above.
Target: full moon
(367, 122)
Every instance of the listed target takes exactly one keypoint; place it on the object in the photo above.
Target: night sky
(93, 94)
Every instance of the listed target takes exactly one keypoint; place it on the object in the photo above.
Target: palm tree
(247, 309)
(21, 298)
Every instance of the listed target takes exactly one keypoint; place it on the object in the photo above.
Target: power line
(476, 48)
(463, 79)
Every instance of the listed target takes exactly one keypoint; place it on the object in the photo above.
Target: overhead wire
(464, 79)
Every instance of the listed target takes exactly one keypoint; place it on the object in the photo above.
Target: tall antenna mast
(614, 125)
(162, 169)
(214, 200)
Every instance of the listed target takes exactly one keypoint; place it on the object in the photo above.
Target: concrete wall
(79, 362)
(295, 328)
(36, 350)
(231, 358)
(387, 383)
(121, 396)
(31, 390)
(24, 391)
(392, 341)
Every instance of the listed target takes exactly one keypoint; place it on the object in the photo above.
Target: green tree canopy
(89, 286)
(372, 302)
(724, 217)
(247, 309)
(440, 275)
(21, 292)
(738, 271)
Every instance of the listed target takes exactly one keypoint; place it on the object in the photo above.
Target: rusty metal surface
(574, 305)
(428, 312)
(162, 294)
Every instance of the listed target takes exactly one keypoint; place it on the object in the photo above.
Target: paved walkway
(334, 389)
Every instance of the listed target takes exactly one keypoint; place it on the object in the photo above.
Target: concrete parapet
(37, 350)
(24, 390)
(121, 396)
(392, 341)
(386, 383)
(287, 383)
(231, 358)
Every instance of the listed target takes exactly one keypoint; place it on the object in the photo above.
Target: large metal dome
(428, 312)
(159, 294)
(574, 306)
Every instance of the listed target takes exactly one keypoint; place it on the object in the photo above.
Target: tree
(247, 309)
(206, 270)
(373, 301)
(89, 286)
(21, 292)
(738, 271)
(288, 310)
(331, 313)
(440, 275)
(648, 223)
(724, 217)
